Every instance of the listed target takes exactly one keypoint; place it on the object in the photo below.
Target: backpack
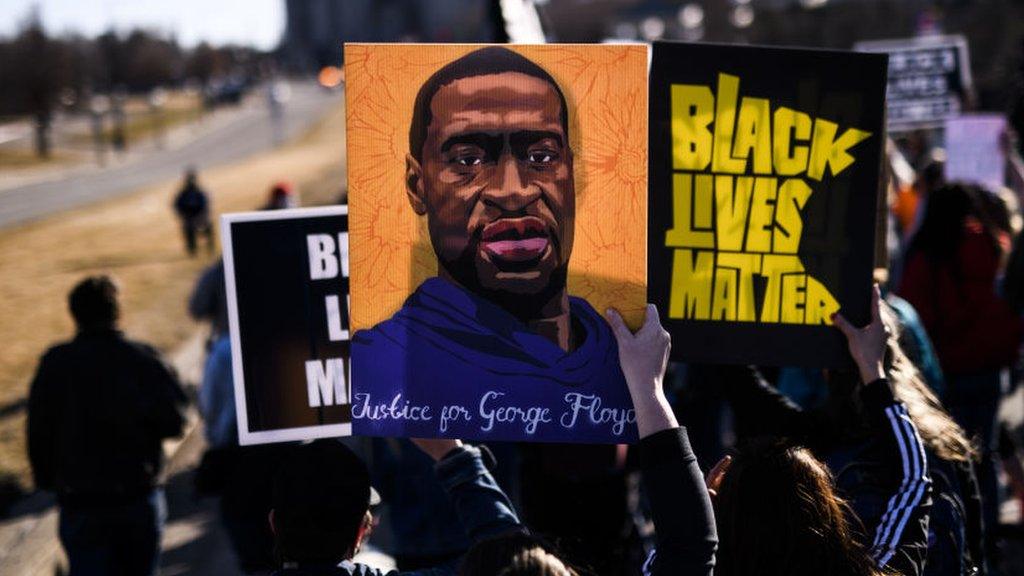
(949, 552)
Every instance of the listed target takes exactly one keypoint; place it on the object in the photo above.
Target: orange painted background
(389, 248)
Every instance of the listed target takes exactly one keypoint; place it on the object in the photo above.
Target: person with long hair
(957, 543)
(861, 445)
(837, 433)
(777, 510)
(952, 267)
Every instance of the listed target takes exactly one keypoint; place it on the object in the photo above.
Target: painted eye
(541, 157)
(469, 160)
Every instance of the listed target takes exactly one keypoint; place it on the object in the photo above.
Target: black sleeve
(168, 402)
(974, 525)
(42, 423)
(684, 521)
(760, 409)
(900, 535)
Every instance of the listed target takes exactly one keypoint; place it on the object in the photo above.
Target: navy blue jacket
(684, 521)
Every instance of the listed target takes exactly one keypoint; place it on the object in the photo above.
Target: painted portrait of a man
(495, 333)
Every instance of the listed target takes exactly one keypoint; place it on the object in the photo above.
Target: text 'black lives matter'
(288, 292)
(764, 166)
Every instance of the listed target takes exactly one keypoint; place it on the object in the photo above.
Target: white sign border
(245, 437)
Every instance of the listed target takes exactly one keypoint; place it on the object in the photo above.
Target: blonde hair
(518, 553)
(940, 433)
(536, 562)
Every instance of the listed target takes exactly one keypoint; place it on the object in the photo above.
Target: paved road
(224, 138)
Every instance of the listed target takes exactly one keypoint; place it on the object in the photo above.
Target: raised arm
(683, 518)
(900, 533)
(483, 508)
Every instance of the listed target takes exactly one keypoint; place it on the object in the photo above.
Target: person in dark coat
(100, 407)
(192, 205)
(951, 273)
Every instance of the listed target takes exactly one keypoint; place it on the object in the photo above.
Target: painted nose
(508, 189)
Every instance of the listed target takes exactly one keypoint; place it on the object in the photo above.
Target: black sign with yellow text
(764, 178)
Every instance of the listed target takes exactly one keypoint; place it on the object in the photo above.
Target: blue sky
(250, 22)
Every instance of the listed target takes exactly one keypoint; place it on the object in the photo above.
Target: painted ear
(414, 185)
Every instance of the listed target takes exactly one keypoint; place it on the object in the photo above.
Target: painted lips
(515, 239)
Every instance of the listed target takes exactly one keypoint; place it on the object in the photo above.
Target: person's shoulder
(386, 334)
(213, 272)
(581, 303)
(144, 351)
(221, 346)
(392, 331)
(57, 351)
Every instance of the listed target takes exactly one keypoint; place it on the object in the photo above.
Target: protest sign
(974, 150)
(929, 80)
(286, 274)
(764, 167)
(498, 206)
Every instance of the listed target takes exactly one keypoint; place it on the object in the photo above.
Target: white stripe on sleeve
(901, 506)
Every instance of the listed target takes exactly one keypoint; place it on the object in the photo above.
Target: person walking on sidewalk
(99, 408)
(192, 205)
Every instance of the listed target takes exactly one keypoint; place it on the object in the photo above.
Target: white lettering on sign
(336, 329)
(326, 382)
(530, 417)
(327, 257)
(397, 409)
(589, 406)
(323, 264)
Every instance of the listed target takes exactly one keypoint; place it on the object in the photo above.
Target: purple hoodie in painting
(452, 364)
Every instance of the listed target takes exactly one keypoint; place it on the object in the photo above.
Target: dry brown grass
(12, 158)
(141, 123)
(136, 238)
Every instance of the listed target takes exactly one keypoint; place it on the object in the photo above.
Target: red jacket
(972, 327)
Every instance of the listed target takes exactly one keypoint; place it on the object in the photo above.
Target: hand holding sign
(643, 358)
(867, 344)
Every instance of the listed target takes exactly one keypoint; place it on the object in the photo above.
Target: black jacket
(99, 407)
(686, 538)
(876, 455)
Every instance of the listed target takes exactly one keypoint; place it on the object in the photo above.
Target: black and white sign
(929, 80)
(287, 288)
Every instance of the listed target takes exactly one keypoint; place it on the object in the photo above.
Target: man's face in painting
(495, 181)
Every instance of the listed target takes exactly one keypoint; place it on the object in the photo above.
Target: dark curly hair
(482, 62)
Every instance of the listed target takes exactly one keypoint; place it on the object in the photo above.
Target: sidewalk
(28, 537)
